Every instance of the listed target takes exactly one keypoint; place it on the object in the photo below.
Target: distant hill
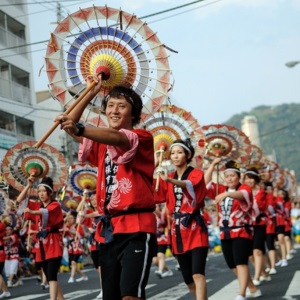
(279, 130)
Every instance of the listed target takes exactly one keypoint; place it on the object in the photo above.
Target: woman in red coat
(234, 202)
(185, 200)
(49, 247)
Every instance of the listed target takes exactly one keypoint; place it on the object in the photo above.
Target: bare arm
(24, 192)
(209, 171)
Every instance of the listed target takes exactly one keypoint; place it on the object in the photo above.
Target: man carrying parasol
(125, 201)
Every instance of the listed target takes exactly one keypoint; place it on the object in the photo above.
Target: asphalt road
(222, 284)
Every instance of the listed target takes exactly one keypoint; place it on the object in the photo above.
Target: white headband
(181, 145)
(46, 185)
(232, 169)
(251, 172)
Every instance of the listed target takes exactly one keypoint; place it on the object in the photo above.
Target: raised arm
(24, 192)
(209, 171)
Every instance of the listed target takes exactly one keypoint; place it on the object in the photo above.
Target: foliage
(279, 130)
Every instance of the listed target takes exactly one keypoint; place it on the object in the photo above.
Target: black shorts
(192, 262)
(270, 241)
(74, 257)
(125, 265)
(280, 229)
(160, 249)
(1, 266)
(288, 234)
(95, 256)
(259, 238)
(236, 251)
(51, 267)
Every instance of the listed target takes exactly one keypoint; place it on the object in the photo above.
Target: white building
(24, 115)
(250, 128)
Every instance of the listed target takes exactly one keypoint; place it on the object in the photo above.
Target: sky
(231, 53)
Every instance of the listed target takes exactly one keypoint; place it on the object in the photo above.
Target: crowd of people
(130, 225)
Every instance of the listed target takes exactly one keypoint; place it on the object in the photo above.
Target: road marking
(173, 293)
(79, 294)
(30, 297)
(293, 289)
(228, 292)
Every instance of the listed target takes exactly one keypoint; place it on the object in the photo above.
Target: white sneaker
(167, 274)
(289, 256)
(5, 295)
(278, 263)
(263, 278)
(256, 282)
(18, 282)
(159, 273)
(273, 271)
(255, 294)
(293, 251)
(239, 297)
(100, 296)
(83, 278)
(9, 283)
(284, 263)
(267, 270)
(71, 280)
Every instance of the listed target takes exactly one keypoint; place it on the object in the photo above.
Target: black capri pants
(236, 251)
(51, 267)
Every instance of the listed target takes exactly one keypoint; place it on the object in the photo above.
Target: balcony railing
(14, 91)
(8, 138)
(10, 40)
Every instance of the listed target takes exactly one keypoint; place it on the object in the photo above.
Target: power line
(42, 2)
(147, 16)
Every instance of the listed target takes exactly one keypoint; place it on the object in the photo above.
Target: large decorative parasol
(256, 158)
(171, 123)
(24, 160)
(111, 42)
(227, 142)
(83, 177)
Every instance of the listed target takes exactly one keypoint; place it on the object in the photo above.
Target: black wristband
(81, 128)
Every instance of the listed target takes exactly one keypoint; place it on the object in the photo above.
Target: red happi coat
(162, 235)
(260, 205)
(12, 247)
(287, 215)
(52, 220)
(193, 236)
(240, 213)
(271, 213)
(280, 214)
(134, 179)
(74, 236)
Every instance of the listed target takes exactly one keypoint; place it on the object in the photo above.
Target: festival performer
(288, 224)
(74, 233)
(280, 227)
(125, 160)
(185, 201)
(49, 247)
(11, 265)
(234, 205)
(3, 287)
(163, 241)
(26, 199)
(93, 216)
(259, 220)
(270, 229)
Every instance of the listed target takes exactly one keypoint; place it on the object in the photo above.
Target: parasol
(114, 43)
(255, 159)
(24, 160)
(171, 123)
(227, 142)
(83, 177)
